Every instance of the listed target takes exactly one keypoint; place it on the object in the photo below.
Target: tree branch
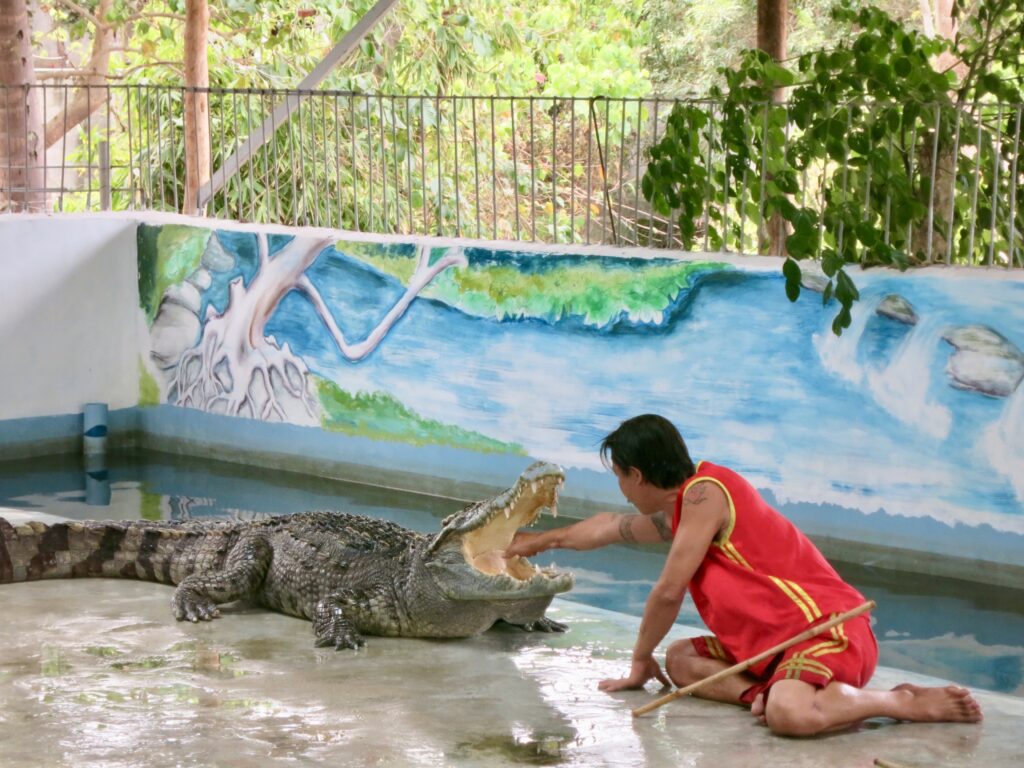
(85, 13)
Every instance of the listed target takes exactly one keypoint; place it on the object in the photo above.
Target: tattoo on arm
(662, 526)
(696, 494)
(626, 528)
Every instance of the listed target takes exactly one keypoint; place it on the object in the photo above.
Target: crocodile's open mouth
(484, 546)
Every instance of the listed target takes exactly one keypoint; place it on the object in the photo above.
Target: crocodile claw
(544, 624)
(190, 606)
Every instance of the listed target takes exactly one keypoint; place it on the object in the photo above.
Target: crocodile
(350, 575)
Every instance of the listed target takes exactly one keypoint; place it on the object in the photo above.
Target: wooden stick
(742, 666)
(883, 763)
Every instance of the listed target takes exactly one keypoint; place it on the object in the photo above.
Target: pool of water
(955, 630)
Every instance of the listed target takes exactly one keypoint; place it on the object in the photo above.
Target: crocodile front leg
(199, 594)
(331, 625)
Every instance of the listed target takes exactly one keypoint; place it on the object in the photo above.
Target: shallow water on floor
(954, 630)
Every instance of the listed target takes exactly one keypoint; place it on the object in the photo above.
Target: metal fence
(538, 169)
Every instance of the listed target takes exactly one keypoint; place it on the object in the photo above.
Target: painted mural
(917, 410)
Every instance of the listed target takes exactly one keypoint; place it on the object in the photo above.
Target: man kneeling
(756, 581)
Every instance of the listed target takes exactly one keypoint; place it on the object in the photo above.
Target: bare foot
(951, 704)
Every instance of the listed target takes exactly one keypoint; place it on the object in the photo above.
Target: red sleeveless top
(762, 581)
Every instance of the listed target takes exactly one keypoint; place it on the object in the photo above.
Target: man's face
(637, 491)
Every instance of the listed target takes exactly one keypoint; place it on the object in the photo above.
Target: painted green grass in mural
(149, 390)
(168, 254)
(598, 292)
(382, 417)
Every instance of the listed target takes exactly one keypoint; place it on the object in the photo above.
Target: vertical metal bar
(910, 184)
(995, 184)
(840, 239)
(455, 146)
(726, 186)
(888, 195)
(383, 164)
(952, 191)
(354, 168)
(438, 122)
(554, 169)
(572, 169)
(28, 199)
(590, 130)
(9, 154)
(654, 141)
(314, 179)
(252, 160)
(743, 208)
(174, 150)
(227, 210)
(107, 139)
(533, 178)
(622, 157)
(303, 180)
(423, 167)
(494, 177)
(337, 161)
(476, 164)
(394, 153)
(240, 179)
(604, 158)
(707, 184)
(131, 149)
(45, 194)
(88, 148)
(160, 147)
(409, 160)
(515, 166)
(272, 180)
(636, 184)
(1013, 192)
(867, 182)
(931, 188)
(974, 193)
(764, 175)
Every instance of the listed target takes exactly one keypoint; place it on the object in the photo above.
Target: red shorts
(847, 653)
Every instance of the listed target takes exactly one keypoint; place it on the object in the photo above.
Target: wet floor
(955, 630)
(96, 673)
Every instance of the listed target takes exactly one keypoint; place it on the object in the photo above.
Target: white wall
(69, 314)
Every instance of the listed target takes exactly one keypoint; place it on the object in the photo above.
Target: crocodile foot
(331, 626)
(544, 624)
(191, 606)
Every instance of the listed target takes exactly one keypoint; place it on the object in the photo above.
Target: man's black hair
(652, 444)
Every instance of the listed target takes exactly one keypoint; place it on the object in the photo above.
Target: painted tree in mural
(236, 369)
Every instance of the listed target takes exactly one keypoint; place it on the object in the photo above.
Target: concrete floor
(96, 673)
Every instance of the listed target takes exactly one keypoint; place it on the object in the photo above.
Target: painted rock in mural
(984, 361)
(897, 308)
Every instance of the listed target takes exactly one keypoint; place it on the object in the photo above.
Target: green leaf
(791, 271)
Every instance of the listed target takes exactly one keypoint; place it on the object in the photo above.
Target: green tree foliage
(321, 166)
(878, 158)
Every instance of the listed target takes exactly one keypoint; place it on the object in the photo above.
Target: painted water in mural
(916, 410)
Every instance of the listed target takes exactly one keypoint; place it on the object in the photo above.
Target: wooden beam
(283, 111)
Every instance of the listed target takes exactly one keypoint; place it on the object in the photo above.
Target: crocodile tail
(73, 549)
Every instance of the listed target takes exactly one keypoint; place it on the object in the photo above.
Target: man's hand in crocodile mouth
(484, 548)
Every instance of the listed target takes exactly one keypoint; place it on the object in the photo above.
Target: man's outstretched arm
(598, 531)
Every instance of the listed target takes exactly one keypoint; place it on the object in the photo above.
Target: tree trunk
(197, 104)
(86, 100)
(21, 124)
(930, 245)
(771, 38)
